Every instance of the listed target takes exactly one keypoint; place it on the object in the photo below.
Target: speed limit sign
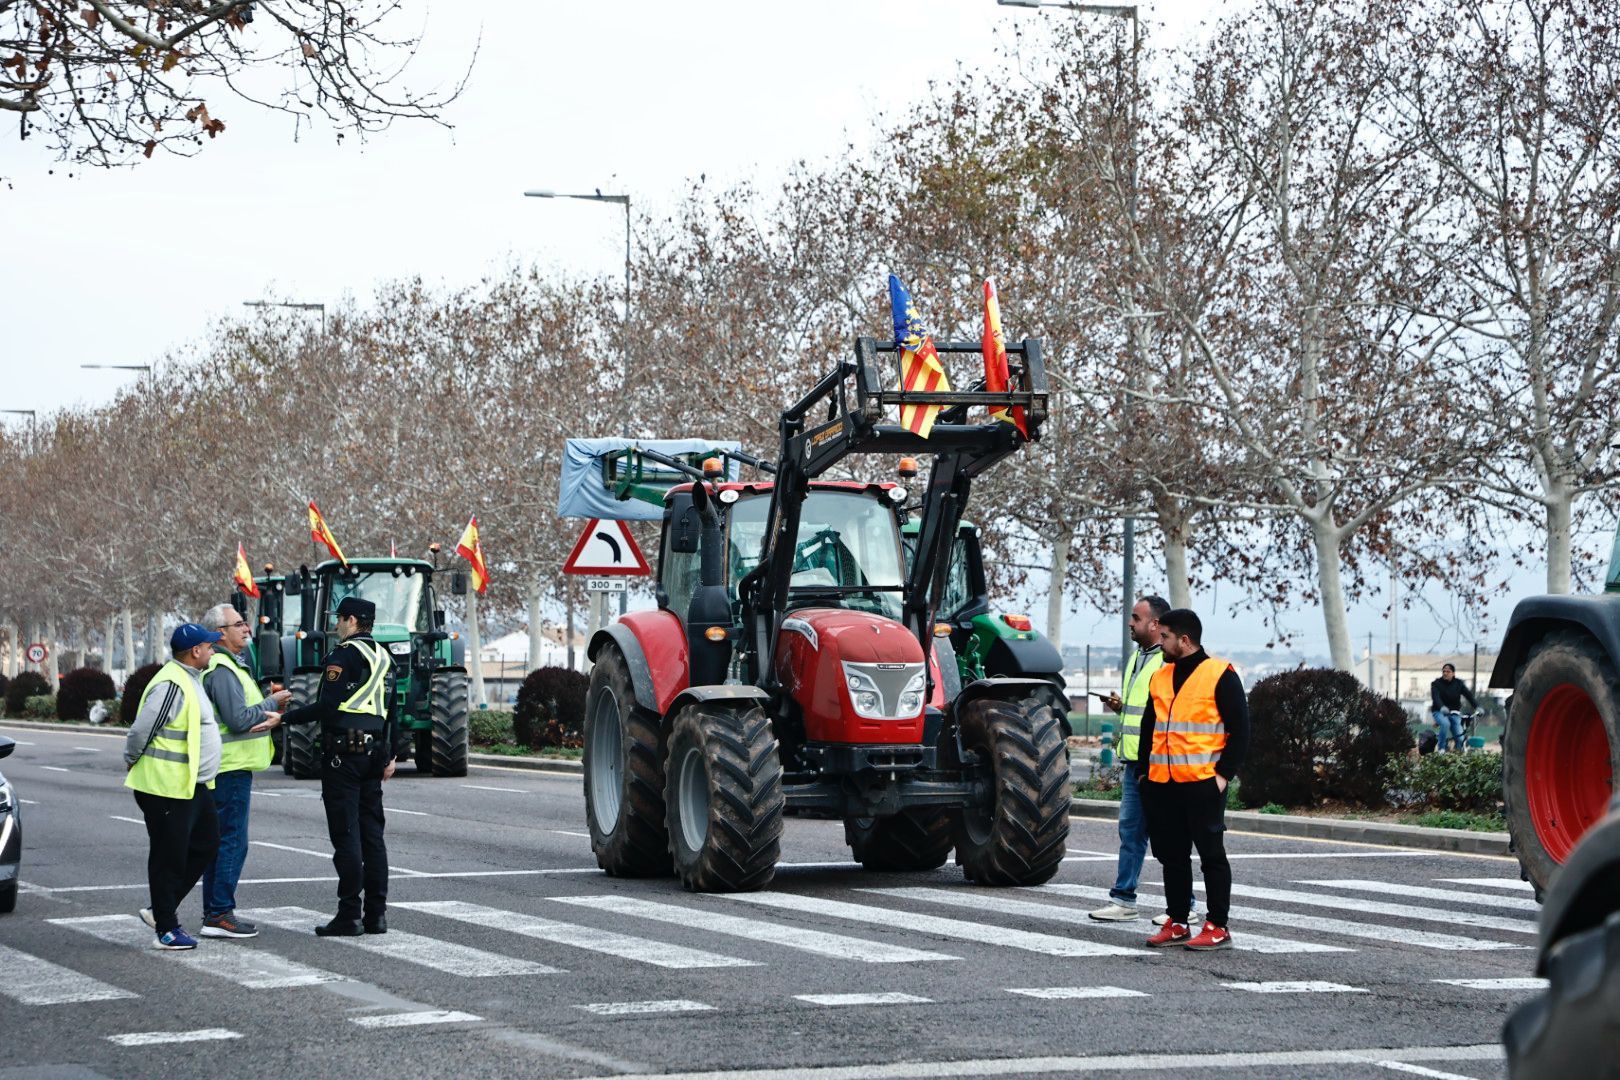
(37, 653)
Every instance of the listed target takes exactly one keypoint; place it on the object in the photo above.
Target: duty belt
(350, 741)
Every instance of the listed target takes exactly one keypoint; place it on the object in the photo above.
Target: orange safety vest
(1188, 735)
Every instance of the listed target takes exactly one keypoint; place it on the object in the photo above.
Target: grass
(1457, 819)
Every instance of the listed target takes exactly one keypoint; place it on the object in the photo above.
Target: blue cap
(189, 634)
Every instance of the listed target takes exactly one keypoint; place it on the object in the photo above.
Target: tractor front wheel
(448, 700)
(300, 745)
(1019, 836)
(623, 763)
(910, 840)
(725, 798)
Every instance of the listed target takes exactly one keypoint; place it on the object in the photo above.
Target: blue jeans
(233, 792)
(1133, 839)
(1450, 725)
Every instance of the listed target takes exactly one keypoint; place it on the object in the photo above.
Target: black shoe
(339, 928)
(379, 925)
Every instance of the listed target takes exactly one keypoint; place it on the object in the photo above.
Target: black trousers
(184, 837)
(1181, 817)
(351, 788)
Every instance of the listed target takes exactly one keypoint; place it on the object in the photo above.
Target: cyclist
(1445, 699)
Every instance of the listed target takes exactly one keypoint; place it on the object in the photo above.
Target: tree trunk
(1054, 597)
(475, 659)
(111, 638)
(154, 630)
(51, 651)
(1560, 511)
(1173, 518)
(537, 639)
(129, 642)
(1334, 617)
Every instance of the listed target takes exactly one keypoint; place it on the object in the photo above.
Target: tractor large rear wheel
(449, 701)
(725, 801)
(300, 745)
(1560, 750)
(1020, 837)
(911, 840)
(624, 774)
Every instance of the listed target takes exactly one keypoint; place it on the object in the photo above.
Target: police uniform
(356, 749)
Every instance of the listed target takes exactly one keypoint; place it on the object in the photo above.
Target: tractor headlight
(911, 698)
(400, 648)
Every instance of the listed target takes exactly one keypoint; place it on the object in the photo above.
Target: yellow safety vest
(247, 750)
(168, 767)
(371, 699)
(1134, 699)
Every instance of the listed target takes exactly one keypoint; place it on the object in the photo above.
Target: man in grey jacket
(245, 719)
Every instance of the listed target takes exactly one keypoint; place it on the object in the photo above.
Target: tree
(108, 82)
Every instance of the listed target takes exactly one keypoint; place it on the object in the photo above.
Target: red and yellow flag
(920, 367)
(470, 548)
(994, 347)
(319, 533)
(244, 574)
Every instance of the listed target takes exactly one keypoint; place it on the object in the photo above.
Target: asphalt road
(521, 959)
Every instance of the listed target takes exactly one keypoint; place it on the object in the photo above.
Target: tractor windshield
(847, 553)
(398, 598)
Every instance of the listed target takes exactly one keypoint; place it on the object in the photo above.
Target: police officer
(356, 757)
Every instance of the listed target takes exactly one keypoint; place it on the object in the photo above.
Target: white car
(10, 836)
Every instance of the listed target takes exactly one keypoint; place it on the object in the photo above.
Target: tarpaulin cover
(584, 495)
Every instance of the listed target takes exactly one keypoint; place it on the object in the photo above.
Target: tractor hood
(858, 678)
(390, 632)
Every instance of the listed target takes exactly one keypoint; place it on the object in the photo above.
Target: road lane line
(29, 980)
(1068, 993)
(1494, 883)
(415, 1019)
(486, 787)
(328, 877)
(644, 950)
(299, 850)
(54, 768)
(986, 900)
(131, 820)
(155, 1038)
(1309, 986)
(1398, 911)
(29, 802)
(566, 832)
(252, 967)
(426, 952)
(412, 813)
(1045, 944)
(641, 1008)
(1422, 892)
(1419, 1070)
(819, 942)
(890, 998)
(1496, 984)
(91, 749)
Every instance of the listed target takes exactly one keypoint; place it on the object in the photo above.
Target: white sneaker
(148, 918)
(1116, 912)
(1193, 917)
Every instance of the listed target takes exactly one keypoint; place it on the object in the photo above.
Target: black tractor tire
(449, 703)
(1021, 838)
(1573, 1028)
(8, 898)
(911, 840)
(422, 749)
(624, 774)
(276, 737)
(724, 799)
(1562, 659)
(300, 745)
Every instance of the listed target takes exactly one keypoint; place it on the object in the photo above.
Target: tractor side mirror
(239, 600)
(458, 583)
(295, 584)
(438, 620)
(683, 535)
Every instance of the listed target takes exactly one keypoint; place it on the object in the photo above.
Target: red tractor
(794, 663)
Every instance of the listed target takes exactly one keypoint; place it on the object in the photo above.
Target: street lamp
(1119, 11)
(290, 304)
(150, 369)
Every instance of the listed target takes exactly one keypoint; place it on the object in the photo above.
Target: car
(10, 836)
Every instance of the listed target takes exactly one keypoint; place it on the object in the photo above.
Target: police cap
(364, 610)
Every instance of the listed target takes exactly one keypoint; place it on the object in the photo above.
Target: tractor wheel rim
(1569, 776)
(607, 761)
(692, 792)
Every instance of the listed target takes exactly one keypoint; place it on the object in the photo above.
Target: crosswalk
(580, 927)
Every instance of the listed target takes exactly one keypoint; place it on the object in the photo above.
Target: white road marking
(1492, 882)
(1399, 911)
(131, 820)
(1066, 993)
(641, 1008)
(412, 813)
(837, 946)
(20, 742)
(1402, 854)
(657, 953)
(1419, 1070)
(269, 794)
(566, 832)
(29, 980)
(890, 998)
(486, 787)
(298, 850)
(54, 768)
(28, 802)
(1496, 984)
(1333, 927)
(1309, 986)
(1046, 944)
(996, 901)
(1423, 892)
(91, 749)
(252, 967)
(154, 1038)
(415, 1019)
(426, 952)
(328, 877)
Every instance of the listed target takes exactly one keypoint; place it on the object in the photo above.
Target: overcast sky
(629, 96)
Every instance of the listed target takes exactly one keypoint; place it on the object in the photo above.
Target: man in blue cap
(172, 753)
(356, 757)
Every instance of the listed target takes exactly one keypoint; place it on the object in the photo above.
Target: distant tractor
(266, 614)
(428, 693)
(792, 661)
(1561, 744)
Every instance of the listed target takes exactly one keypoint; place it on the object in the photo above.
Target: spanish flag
(920, 367)
(244, 575)
(470, 548)
(994, 347)
(319, 533)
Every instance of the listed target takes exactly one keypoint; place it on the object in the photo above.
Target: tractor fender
(1536, 617)
(653, 644)
(1584, 891)
(727, 694)
(1001, 689)
(1019, 657)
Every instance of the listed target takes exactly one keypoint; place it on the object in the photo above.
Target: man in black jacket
(1445, 698)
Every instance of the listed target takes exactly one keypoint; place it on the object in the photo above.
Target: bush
(1317, 734)
(485, 726)
(27, 684)
(551, 708)
(40, 707)
(80, 687)
(4, 683)
(1468, 783)
(134, 687)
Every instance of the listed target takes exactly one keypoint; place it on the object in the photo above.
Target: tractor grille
(889, 681)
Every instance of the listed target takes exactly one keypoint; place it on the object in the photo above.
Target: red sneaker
(1210, 938)
(1171, 933)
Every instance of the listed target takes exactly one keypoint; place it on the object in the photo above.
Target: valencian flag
(920, 368)
(996, 376)
(470, 548)
(244, 575)
(319, 533)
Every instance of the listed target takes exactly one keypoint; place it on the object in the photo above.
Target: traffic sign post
(605, 555)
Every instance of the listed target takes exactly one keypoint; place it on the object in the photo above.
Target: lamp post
(150, 369)
(295, 305)
(1118, 11)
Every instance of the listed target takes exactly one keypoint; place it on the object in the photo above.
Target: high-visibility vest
(1134, 698)
(371, 698)
(1188, 735)
(246, 750)
(168, 767)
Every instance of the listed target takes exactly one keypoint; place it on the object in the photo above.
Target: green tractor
(428, 692)
(267, 615)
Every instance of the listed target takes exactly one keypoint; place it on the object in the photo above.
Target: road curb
(51, 725)
(1315, 828)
